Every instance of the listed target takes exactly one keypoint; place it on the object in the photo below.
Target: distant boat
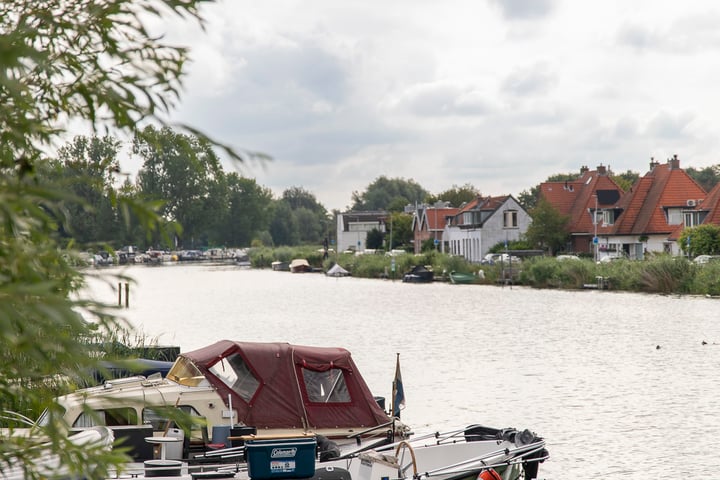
(280, 266)
(337, 271)
(300, 265)
(419, 274)
(461, 278)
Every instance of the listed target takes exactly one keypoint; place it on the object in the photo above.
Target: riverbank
(662, 274)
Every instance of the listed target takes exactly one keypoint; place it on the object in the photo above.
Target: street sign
(437, 242)
(595, 240)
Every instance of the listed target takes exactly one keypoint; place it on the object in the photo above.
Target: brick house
(429, 222)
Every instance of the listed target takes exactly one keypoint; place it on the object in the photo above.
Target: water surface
(581, 368)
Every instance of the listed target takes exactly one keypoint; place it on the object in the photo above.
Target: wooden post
(127, 295)
(119, 294)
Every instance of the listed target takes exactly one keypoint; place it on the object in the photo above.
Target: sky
(499, 94)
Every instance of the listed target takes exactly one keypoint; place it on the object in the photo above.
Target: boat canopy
(279, 385)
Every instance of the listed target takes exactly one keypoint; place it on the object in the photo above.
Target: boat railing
(492, 460)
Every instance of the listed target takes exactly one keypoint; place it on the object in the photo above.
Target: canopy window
(236, 374)
(326, 387)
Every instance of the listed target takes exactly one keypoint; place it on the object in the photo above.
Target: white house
(482, 223)
(353, 227)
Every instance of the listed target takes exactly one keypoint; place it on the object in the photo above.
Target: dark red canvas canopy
(273, 386)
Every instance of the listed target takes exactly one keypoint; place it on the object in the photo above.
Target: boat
(419, 274)
(337, 271)
(280, 266)
(300, 265)
(474, 452)
(277, 389)
(49, 464)
(461, 278)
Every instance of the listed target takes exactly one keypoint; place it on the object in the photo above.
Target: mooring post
(119, 294)
(127, 295)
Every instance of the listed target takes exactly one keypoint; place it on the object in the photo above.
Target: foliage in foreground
(65, 62)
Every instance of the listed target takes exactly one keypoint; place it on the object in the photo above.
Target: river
(619, 384)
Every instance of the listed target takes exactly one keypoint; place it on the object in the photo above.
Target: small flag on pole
(398, 391)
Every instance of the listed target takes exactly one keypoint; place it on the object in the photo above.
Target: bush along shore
(662, 274)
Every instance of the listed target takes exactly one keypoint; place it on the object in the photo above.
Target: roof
(644, 205)
(577, 198)
(273, 384)
(433, 218)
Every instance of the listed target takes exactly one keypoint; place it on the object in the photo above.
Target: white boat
(49, 464)
(300, 265)
(456, 455)
(277, 389)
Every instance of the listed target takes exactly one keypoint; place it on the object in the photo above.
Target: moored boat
(461, 278)
(419, 274)
(300, 265)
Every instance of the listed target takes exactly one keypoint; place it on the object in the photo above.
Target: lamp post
(595, 237)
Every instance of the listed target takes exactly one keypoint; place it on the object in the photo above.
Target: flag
(398, 391)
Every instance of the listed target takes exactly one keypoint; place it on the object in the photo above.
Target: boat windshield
(185, 373)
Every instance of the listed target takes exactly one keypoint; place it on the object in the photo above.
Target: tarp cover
(279, 395)
(337, 271)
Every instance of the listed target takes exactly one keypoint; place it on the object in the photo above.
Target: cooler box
(282, 458)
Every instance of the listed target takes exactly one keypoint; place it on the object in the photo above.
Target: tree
(626, 180)
(374, 239)
(184, 173)
(700, 240)
(309, 215)
(707, 177)
(457, 196)
(248, 212)
(86, 167)
(548, 229)
(65, 62)
(383, 192)
(399, 231)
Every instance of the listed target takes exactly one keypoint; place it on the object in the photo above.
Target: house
(592, 195)
(482, 223)
(660, 203)
(649, 217)
(429, 223)
(353, 227)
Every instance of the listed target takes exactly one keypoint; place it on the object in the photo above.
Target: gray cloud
(524, 9)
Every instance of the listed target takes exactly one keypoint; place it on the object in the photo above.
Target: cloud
(524, 9)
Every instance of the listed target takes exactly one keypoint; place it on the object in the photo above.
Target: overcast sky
(496, 93)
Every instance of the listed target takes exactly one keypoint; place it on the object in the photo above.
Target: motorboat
(300, 265)
(474, 452)
(276, 389)
(419, 274)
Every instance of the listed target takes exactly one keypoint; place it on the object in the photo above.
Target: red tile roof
(644, 206)
(576, 198)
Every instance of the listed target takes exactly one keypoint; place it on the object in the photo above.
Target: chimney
(584, 169)
(601, 170)
(674, 163)
(653, 163)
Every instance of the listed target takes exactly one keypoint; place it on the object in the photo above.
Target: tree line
(200, 205)
(182, 180)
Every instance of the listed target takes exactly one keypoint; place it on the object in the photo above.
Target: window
(326, 387)
(510, 219)
(159, 421)
(692, 219)
(674, 216)
(608, 217)
(111, 417)
(236, 374)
